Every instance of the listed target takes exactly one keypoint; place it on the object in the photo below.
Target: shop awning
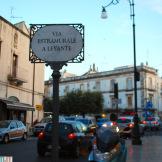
(11, 105)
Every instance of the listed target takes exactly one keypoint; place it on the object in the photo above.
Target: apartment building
(149, 87)
(21, 82)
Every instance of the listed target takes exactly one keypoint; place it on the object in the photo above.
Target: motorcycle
(108, 146)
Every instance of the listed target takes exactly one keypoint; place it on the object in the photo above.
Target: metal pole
(55, 116)
(135, 131)
(55, 111)
(33, 92)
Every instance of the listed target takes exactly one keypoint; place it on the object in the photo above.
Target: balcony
(18, 76)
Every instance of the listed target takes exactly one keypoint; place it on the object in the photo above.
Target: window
(112, 84)
(66, 90)
(88, 87)
(14, 65)
(129, 100)
(150, 82)
(82, 87)
(20, 124)
(151, 97)
(15, 40)
(13, 125)
(129, 83)
(98, 85)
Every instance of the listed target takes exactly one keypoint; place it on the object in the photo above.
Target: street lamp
(135, 131)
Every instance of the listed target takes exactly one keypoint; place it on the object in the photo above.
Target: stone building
(149, 88)
(20, 88)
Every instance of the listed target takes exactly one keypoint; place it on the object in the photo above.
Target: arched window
(13, 98)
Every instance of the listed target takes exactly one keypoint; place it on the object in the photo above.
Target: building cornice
(12, 25)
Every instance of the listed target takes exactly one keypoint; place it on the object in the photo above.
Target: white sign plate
(57, 43)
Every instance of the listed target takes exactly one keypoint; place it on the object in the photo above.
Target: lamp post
(135, 131)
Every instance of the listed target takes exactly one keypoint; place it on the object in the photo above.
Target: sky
(108, 42)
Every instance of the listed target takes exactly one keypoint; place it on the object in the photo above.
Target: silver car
(12, 129)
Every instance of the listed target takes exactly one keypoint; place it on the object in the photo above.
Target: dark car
(12, 129)
(73, 140)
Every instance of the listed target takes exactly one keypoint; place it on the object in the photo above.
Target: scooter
(108, 146)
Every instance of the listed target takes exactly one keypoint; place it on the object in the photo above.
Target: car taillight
(143, 122)
(114, 123)
(130, 125)
(41, 135)
(155, 122)
(72, 136)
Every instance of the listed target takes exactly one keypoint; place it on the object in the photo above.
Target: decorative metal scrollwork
(35, 27)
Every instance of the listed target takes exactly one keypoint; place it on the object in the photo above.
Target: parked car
(126, 123)
(73, 140)
(12, 129)
(100, 121)
(152, 123)
(42, 124)
(108, 146)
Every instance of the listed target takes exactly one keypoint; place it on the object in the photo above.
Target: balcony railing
(18, 76)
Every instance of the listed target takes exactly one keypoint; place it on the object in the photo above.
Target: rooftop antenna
(147, 58)
(12, 15)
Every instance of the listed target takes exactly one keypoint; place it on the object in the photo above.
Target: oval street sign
(57, 43)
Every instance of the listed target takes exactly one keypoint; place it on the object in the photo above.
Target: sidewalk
(149, 151)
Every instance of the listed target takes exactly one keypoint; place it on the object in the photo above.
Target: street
(25, 151)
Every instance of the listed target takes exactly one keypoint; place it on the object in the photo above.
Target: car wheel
(6, 139)
(24, 136)
(41, 151)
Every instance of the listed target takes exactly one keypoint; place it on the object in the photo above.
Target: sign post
(56, 45)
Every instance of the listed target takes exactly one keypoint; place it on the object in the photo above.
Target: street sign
(39, 107)
(57, 43)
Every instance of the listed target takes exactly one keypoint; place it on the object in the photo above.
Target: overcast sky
(108, 42)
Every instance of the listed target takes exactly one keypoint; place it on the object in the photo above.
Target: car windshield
(4, 124)
(84, 121)
(123, 120)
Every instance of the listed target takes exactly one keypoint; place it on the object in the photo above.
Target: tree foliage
(78, 102)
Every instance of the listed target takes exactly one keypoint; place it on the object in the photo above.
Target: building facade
(21, 82)
(149, 88)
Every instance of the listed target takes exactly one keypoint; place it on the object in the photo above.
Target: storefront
(10, 110)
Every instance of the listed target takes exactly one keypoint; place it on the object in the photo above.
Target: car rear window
(64, 128)
(123, 120)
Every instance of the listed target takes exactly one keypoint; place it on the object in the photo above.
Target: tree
(47, 104)
(78, 102)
